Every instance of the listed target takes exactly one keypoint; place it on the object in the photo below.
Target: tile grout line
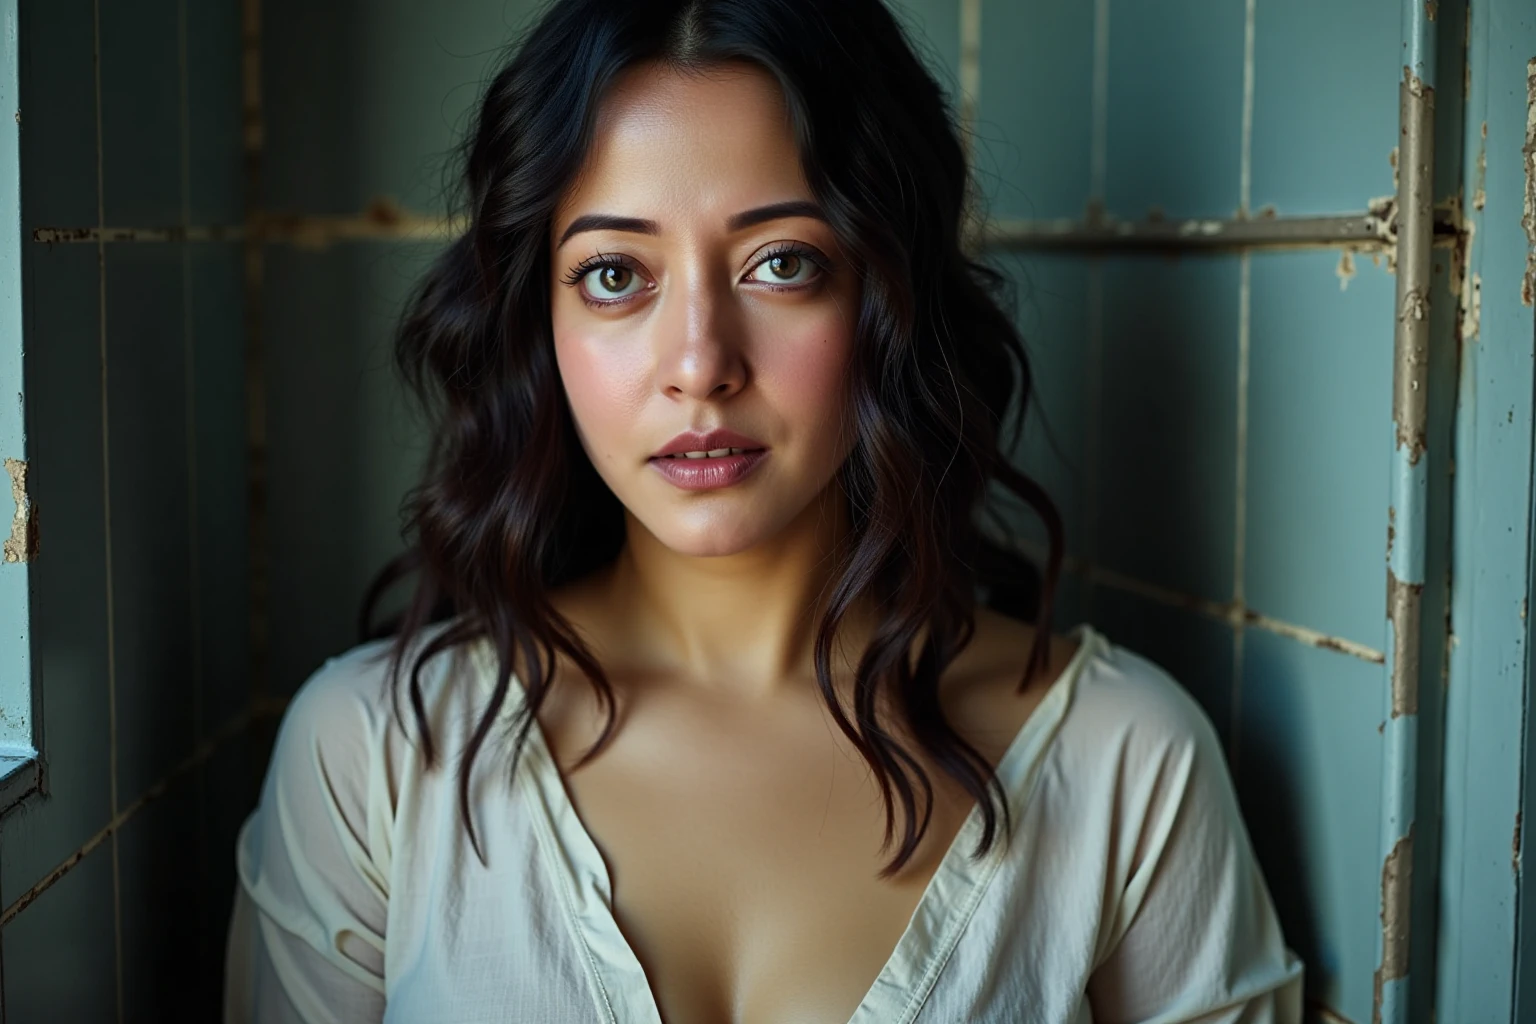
(1240, 501)
(1093, 365)
(1229, 612)
(1245, 162)
(253, 137)
(106, 499)
(970, 73)
(189, 371)
(1363, 231)
(1094, 398)
(254, 712)
(1244, 365)
(1098, 174)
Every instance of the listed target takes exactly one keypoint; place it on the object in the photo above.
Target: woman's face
(701, 304)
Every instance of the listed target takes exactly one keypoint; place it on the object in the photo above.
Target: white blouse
(1129, 891)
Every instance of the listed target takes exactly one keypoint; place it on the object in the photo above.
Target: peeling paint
(1392, 159)
(1514, 846)
(1431, 8)
(1346, 269)
(1528, 216)
(1396, 925)
(1206, 228)
(1404, 606)
(1391, 530)
(1414, 441)
(1472, 310)
(21, 545)
(1480, 172)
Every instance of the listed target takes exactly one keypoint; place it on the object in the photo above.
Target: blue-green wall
(1215, 427)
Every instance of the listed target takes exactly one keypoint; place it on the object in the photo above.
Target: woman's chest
(744, 862)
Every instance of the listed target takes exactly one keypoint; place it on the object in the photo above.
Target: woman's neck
(742, 623)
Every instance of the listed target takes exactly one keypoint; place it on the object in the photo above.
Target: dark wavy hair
(510, 507)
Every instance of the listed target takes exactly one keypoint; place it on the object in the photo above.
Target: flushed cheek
(607, 386)
(804, 374)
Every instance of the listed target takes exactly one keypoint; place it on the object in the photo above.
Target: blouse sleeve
(306, 943)
(1194, 938)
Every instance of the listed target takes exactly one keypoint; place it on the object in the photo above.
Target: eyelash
(574, 276)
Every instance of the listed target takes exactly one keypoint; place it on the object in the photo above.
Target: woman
(693, 715)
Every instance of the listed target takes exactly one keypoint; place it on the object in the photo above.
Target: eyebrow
(737, 222)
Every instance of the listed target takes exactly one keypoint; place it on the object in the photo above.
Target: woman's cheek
(606, 385)
(808, 372)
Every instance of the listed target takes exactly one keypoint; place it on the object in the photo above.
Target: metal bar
(1407, 545)
(1233, 613)
(1373, 230)
(254, 144)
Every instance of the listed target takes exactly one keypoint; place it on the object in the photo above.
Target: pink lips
(707, 474)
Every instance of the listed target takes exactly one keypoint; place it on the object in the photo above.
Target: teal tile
(228, 785)
(365, 100)
(933, 26)
(1050, 300)
(1175, 108)
(342, 448)
(69, 578)
(1319, 444)
(58, 115)
(215, 139)
(1166, 473)
(141, 113)
(1071, 604)
(1193, 648)
(216, 286)
(60, 954)
(151, 551)
(1309, 776)
(164, 882)
(1322, 137)
(1035, 111)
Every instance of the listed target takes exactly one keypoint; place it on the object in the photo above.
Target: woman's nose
(700, 343)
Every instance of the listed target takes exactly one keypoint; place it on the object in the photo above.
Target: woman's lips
(710, 473)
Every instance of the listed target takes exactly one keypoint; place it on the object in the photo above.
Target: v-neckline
(940, 917)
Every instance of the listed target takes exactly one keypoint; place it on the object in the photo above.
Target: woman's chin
(710, 537)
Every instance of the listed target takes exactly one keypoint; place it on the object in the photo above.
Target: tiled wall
(1216, 428)
(1194, 501)
(116, 881)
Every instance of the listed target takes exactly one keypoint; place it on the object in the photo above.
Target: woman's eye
(786, 268)
(611, 282)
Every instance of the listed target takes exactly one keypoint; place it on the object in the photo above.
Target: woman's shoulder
(360, 699)
(1126, 698)
(1118, 703)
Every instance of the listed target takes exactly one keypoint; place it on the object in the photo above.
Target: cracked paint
(1528, 216)
(1346, 269)
(21, 545)
(1480, 172)
(1396, 927)
(1404, 606)
(1514, 846)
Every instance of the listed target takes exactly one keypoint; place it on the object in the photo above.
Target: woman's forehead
(673, 145)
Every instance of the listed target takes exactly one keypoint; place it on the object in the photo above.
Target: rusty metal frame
(1375, 230)
(1407, 513)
